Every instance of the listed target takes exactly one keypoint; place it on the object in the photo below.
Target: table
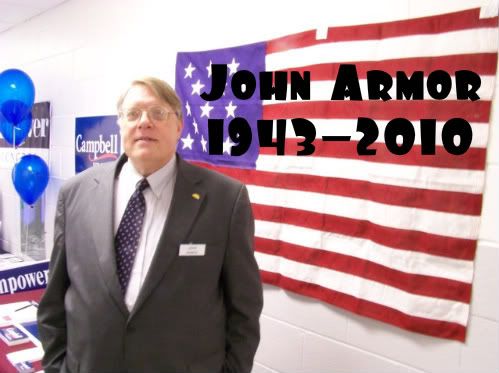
(5, 366)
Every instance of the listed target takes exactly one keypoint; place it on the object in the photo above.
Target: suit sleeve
(242, 289)
(51, 312)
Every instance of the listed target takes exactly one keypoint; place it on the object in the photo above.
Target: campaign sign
(29, 277)
(97, 140)
(39, 134)
(12, 335)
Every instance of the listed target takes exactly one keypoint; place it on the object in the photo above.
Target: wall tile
(480, 353)
(325, 355)
(485, 300)
(305, 313)
(281, 346)
(416, 350)
(490, 210)
(259, 368)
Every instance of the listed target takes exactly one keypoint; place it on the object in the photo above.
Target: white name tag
(192, 249)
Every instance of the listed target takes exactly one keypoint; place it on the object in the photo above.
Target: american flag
(385, 236)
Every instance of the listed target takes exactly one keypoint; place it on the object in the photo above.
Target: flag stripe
(342, 232)
(387, 49)
(473, 159)
(433, 222)
(459, 203)
(478, 111)
(374, 310)
(362, 288)
(481, 63)
(433, 286)
(466, 181)
(426, 25)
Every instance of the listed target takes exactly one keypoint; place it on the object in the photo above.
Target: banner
(363, 150)
(97, 140)
(37, 142)
(24, 278)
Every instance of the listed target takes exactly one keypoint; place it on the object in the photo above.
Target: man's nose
(144, 119)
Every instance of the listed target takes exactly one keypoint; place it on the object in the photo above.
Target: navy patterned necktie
(127, 238)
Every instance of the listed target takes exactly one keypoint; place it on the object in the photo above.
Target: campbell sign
(97, 140)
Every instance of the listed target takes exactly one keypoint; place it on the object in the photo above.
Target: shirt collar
(157, 180)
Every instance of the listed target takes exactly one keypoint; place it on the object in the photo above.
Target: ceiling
(15, 12)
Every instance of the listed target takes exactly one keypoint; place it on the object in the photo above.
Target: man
(152, 268)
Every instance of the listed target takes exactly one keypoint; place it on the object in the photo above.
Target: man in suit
(152, 268)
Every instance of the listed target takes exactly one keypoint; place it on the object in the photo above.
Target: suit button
(130, 329)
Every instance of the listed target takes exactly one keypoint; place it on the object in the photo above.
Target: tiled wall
(82, 53)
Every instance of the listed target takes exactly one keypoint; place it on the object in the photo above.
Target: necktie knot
(142, 185)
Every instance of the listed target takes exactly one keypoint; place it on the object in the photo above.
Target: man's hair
(161, 89)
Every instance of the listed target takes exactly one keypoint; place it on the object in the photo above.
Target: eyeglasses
(155, 114)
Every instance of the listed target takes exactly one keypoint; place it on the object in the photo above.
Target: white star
(188, 71)
(196, 87)
(203, 144)
(227, 145)
(187, 141)
(233, 66)
(231, 109)
(195, 127)
(209, 69)
(188, 108)
(205, 109)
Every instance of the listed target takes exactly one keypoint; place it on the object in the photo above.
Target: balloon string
(26, 249)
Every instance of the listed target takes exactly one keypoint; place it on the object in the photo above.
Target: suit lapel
(103, 233)
(186, 202)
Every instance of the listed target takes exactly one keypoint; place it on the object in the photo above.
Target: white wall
(82, 53)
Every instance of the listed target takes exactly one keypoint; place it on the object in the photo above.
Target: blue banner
(25, 278)
(97, 140)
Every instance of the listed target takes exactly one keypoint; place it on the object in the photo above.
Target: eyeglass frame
(122, 114)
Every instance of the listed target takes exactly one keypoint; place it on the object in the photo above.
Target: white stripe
(348, 127)
(480, 40)
(401, 260)
(410, 304)
(407, 218)
(321, 90)
(445, 179)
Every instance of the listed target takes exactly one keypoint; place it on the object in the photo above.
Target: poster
(97, 141)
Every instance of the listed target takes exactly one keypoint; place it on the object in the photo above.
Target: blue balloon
(30, 177)
(17, 94)
(21, 130)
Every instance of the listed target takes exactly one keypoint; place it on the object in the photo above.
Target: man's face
(149, 143)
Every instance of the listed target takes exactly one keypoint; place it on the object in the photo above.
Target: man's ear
(180, 126)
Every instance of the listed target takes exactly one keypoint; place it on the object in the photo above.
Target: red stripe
(473, 159)
(20, 296)
(480, 63)
(442, 329)
(426, 25)
(478, 111)
(430, 286)
(454, 202)
(401, 239)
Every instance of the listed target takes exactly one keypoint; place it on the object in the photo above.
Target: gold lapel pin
(196, 195)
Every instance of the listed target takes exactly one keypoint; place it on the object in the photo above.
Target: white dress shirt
(158, 199)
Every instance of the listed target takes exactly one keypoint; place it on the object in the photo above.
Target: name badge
(192, 249)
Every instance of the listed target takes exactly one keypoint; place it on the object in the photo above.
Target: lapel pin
(196, 195)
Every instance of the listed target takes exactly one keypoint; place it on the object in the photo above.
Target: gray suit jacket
(193, 313)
